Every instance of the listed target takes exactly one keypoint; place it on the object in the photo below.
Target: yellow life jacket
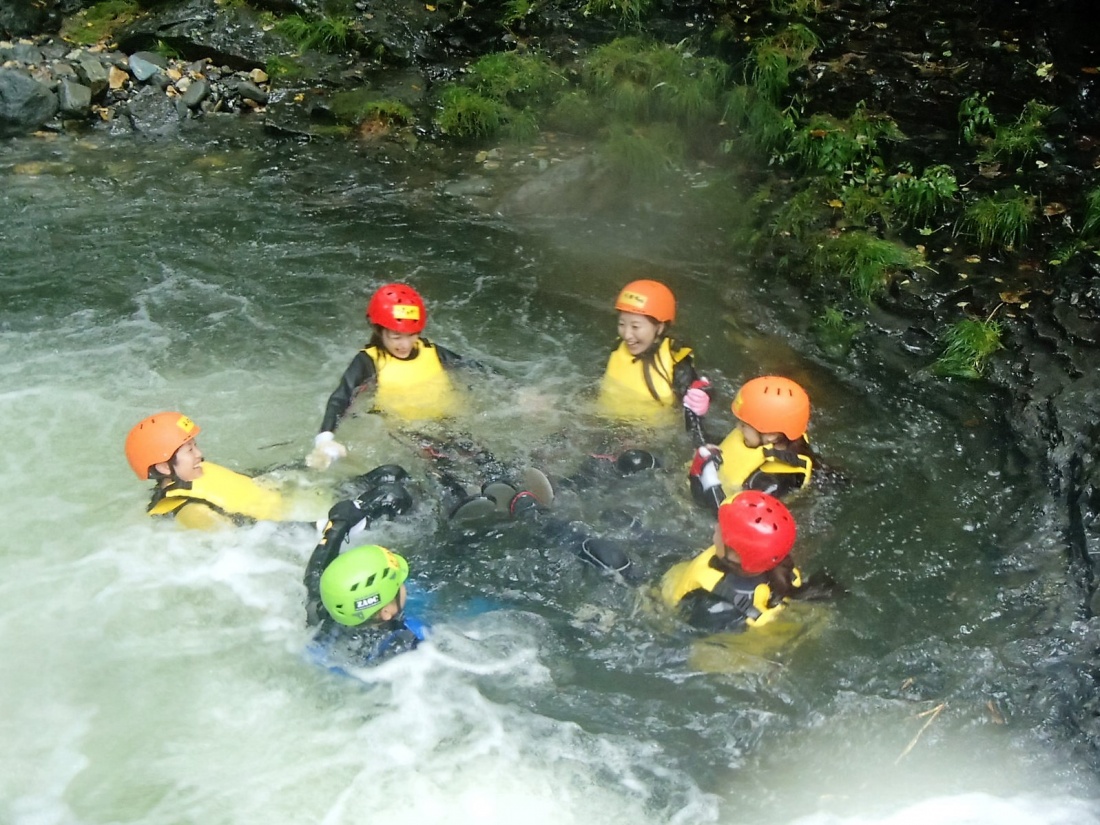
(225, 491)
(624, 393)
(739, 462)
(415, 388)
(698, 574)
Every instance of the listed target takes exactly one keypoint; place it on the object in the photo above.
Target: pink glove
(696, 398)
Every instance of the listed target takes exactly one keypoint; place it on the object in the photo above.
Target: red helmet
(398, 307)
(757, 527)
(650, 298)
(156, 439)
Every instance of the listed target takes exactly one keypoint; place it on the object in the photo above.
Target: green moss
(96, 23)
(576, 113)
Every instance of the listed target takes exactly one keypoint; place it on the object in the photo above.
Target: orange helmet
(650, 298)
(771, 404)
(156, 439)
(398, 307)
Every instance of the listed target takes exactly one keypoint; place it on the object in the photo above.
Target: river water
(153, 675)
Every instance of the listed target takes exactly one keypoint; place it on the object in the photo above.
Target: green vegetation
(466, 114)
(1003, 219)
(774, 59)
(967, 346)
(1091, 222)
(285, 68)
(355, 106)
(326, 34)
(828, 146)
(518, 80)
(625, 12)
(96, 23)
(866, 262)
(643, 155)
(996, 141)
(643, 81)
(834, 331)
(921, 197)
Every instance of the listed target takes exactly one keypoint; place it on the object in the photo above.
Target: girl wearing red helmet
(767, 451)
(408, 371)
(747, 576)
(649, 373)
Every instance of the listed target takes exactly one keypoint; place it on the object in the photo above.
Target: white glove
(326, 449)
(696, 398)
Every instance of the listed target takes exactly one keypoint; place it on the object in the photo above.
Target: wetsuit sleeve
(359, 372)
(683, 376)
(450, 360)
(327, 549)
(198, 515)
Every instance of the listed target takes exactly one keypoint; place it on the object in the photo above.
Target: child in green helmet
(357, 599)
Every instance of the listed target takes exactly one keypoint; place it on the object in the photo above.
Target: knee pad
(605, 554)
(383, 474)
(635, 461)
(385, 501)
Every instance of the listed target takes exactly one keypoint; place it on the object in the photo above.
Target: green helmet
(360, 582)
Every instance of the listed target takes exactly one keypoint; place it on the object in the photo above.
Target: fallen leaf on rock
(1013, 297)
(836, 203)
(1054, 208)
(989, 170)
(973, 259)
(116, 78)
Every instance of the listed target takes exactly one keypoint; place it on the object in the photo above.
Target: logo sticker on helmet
(406, 312)
(185, 424)
(632, 298)
(370, 601)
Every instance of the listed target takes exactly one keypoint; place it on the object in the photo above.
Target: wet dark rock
(196, 93)
(145, 65)
(92, 73)
(250, 91)
(229, 34)
(153, 114)
(74, 99)
(25, 103)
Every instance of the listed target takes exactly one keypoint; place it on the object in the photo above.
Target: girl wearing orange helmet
(407, 370)
(746, 577)
(198, 493)
(767, 450)
(648, 373)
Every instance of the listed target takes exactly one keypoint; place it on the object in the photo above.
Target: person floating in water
(746, 576)
(201, 494)
(358, 600)
(408, 371)
(767, 451)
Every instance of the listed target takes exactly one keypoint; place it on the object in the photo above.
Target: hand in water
(326, 450)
